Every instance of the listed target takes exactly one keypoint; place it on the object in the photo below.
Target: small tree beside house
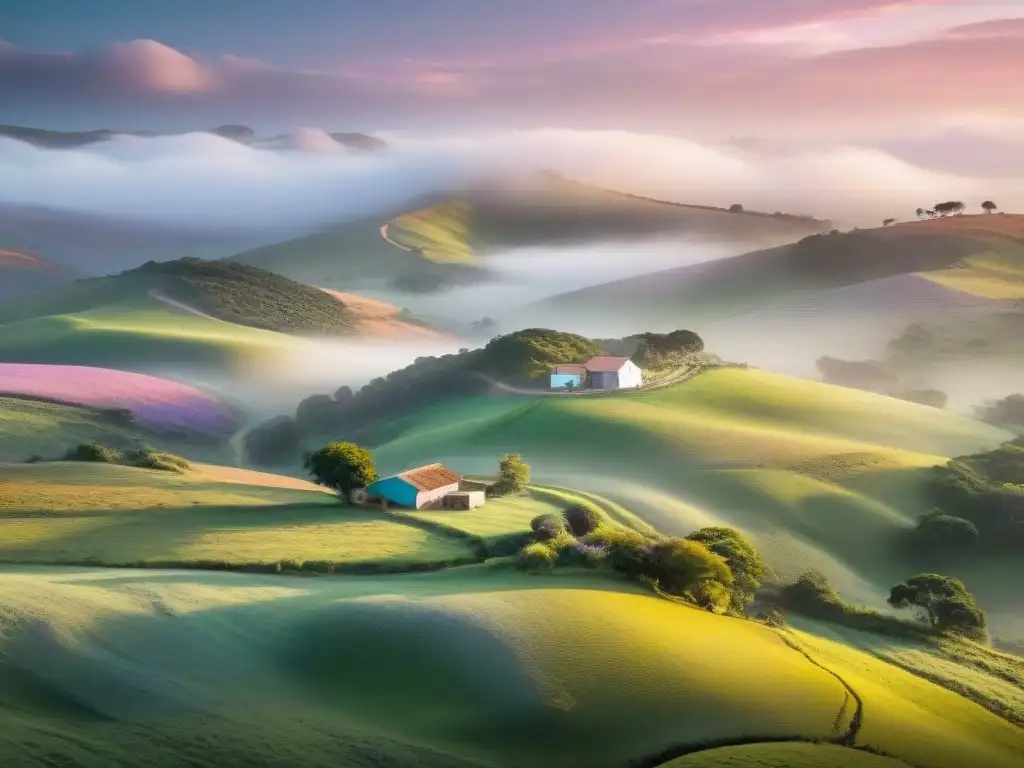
(342, 467)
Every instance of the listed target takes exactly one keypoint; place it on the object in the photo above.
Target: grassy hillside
(133, 332)
(445, 241)
(474, 667)
(228, 291)
(34, 428)
(75, 513)
(551, 210)
(819, 476)
(960, 256)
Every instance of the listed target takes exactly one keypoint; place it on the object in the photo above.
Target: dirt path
(387, 237)
(163, 298)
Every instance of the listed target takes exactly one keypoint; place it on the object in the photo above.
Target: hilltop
(978, 257)
(223, 290)
(47, 139)
(445, 241)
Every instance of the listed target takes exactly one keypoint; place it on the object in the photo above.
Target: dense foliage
(688, 568)
(581, 519)
(513, 475)
(343, 467)
(987, 490)
(744, 562)
(946, 534)
(247, 295)
(944, 603)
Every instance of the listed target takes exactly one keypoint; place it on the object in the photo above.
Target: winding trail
(387, 237)
(163, 298)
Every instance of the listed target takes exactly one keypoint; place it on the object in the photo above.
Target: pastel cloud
(641, 80)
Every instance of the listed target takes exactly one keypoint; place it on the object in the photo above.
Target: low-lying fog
(200, 179)
(524, 275)
(276, 383)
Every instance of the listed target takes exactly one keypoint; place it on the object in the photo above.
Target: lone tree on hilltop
(920, 212)
(988, 206)
(887, 222)
(342, 467)
(735, 208)
(945, 604)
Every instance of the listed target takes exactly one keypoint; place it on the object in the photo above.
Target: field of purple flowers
(154, 402)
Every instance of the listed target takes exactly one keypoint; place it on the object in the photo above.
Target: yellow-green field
(137, 331)
(74, 513)
(442, 231)
(473, 667)
(791, 755)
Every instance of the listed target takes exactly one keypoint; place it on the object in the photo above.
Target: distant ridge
(47, 139)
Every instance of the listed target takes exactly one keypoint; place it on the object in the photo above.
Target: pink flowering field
(154, 402)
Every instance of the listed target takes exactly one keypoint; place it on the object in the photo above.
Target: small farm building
(416, 488)
(600, 373)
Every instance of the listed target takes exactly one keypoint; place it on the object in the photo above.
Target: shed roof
(430, 477)
(605, 364)
(570, 370)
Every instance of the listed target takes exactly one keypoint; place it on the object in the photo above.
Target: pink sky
(843, 68)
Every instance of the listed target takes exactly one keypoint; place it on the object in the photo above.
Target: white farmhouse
(613, 373)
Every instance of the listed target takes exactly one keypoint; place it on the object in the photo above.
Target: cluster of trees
(979, 506)
(714, 568)
(942, 605)
(951, 207)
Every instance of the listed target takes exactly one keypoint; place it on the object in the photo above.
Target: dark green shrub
(582, 519)
(547, 526)
(626, 552)
(93, 452)
(946, 534)
(146, 458)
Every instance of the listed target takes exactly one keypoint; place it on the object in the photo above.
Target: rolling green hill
(34, 428)
(228, 291)
(471, 667)
(445, 242)
(819, 476)
(965, 258)
(133, 332)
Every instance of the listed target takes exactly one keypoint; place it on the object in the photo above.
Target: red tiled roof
(570, 370)
(605, 364)
(431, 477)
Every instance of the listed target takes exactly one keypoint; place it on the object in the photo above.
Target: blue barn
(563, 375)
(416, 488)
